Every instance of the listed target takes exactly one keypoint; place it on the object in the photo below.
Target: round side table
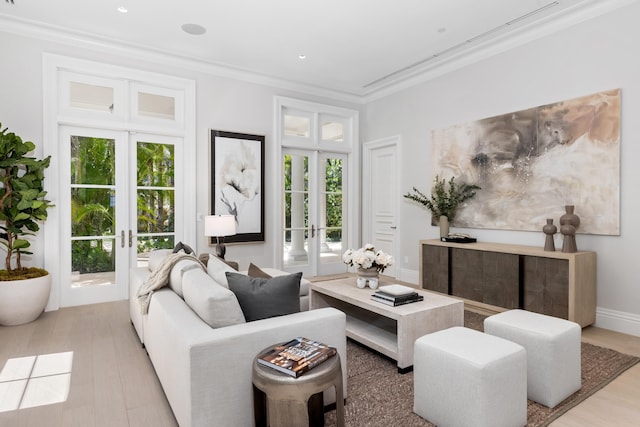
(288, 400)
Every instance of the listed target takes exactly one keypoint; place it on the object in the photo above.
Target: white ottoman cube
(553, 352)
(463, 377)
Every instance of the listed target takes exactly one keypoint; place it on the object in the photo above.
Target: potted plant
(24, 292)
(444, 202)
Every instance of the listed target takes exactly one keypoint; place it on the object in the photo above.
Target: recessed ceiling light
(194, 29)
(442, 29)
(302, 56)
(123, 9)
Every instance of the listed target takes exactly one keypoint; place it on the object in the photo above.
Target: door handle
(313, 231)
(393, 227)
(122, 239)
(130, 238)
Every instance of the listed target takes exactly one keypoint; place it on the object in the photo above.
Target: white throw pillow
(176, 276)
(213, 303)
(216, 268)
(156, 258)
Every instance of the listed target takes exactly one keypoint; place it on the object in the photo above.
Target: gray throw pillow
(182, 247)
(262, 298)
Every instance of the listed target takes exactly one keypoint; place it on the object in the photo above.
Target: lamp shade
(219, 225)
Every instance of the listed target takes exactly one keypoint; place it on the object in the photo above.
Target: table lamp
(219, 226)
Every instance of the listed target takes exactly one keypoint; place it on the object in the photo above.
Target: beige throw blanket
(159, 278)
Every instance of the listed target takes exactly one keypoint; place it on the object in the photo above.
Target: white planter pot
(22, 301)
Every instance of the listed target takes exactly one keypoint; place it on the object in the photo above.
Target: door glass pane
(91, 97)
(93, 262)
(296, 126)
(92, 211)
(331, 212)
(152, 105)
(155, 196)
(92, 160)
(296, 209)
(332, 131)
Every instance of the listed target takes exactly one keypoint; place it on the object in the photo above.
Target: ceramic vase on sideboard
(569, 223)
(443, 221)
(549, 230)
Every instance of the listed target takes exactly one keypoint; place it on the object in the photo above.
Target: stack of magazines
(395, 295)
(297, 356)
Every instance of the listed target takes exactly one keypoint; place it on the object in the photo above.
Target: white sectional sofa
(205, 371)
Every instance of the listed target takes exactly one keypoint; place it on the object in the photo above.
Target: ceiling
(356, 48)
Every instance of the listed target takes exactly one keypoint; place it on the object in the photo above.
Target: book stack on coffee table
(395, 295)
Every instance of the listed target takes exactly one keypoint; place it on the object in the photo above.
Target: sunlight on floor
(31, 381)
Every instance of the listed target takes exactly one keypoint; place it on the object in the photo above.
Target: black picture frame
(237, 183)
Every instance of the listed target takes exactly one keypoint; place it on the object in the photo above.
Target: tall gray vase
(443, 221)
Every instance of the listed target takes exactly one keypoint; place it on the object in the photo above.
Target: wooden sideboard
(513, 276)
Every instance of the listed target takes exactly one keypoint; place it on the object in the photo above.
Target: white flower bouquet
(367, 257)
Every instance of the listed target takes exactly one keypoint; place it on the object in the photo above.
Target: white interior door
(380, 197)
(315, 220)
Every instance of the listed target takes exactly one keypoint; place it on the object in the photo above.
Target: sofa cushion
(261, 298)
(255, 271)
(176, 276)
(204, 258)
(213, 303)
(216, 268)
(156, 258)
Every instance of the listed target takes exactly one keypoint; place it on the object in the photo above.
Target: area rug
(379, 396)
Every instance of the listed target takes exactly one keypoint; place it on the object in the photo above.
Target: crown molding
(495, 46)
(92, 42)
(412, 77)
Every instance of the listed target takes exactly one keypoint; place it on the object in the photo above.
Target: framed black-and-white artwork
(237, 182)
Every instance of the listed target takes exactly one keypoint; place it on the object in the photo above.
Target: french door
(120, 203)
(315, 207)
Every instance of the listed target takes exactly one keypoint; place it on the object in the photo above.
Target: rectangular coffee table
(390, 330)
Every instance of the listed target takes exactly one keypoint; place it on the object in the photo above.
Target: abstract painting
(531, 163)
(237, 183)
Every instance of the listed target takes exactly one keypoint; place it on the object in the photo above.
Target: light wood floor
(113, 383)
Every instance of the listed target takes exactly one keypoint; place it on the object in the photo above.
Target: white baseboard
(619, 321)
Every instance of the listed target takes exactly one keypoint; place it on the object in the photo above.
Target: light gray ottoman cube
(553, 352)
(463, 377)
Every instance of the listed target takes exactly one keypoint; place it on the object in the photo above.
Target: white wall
(598, 55)
(222, 104)
(587, 58)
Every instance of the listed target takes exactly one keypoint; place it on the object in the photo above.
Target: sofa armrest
(206, 373)
(137, 276)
